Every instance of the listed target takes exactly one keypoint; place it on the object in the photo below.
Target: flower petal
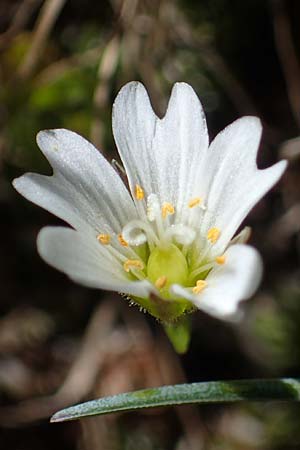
(160, 155)
(228, 284)
(84, 189)
(230, 178)
(85, 261)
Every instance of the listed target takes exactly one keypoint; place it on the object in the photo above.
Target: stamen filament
(202, 251)
(113, 252)
(116, 253)
(212, 236)
(154, 214)
(138, 274)
(201, 269)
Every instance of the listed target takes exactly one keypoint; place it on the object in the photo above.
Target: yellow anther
(161, 282)
(213, 235)
(139, 192)
(122, 240)
(200, 285)
(194, 202)
(167, 208)
(220, 259)
(133, 264)
(103, 238)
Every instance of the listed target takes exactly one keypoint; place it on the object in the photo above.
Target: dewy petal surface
(228, 284)
(84, 190)
(161, 155)
(76, 254)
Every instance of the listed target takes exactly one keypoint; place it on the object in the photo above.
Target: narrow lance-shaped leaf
(207, 392)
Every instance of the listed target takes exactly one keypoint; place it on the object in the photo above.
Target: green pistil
(167, 262)
(166, 266)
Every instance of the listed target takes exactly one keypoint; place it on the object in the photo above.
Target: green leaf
(179, 334)
(208, 392)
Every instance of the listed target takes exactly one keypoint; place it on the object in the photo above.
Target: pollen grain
(220, 259)
(200, 285)
(122, 240)
(194, 202)
(103, 238)
(139, 192)
(213, 234)
(161, 282)
(167, 209)
(133, 264)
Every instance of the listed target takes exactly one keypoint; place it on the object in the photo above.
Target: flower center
(166, 249)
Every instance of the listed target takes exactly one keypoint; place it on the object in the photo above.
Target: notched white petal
(85, 261)
(52, 196)
(231, 180)
(185, 106)
(160, 155)
(85, 190)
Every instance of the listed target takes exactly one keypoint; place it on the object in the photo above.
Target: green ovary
(167, 262)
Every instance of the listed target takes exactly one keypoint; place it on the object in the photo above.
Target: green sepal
(163, 309)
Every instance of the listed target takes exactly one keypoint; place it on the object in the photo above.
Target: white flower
(167, 243)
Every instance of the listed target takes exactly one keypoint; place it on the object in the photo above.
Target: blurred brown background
(62, 63)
